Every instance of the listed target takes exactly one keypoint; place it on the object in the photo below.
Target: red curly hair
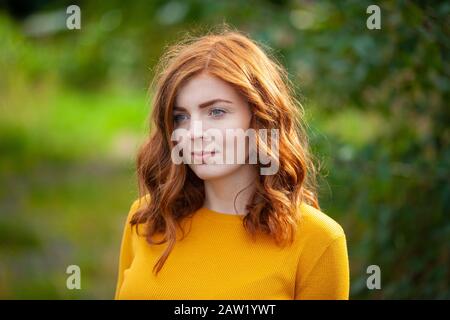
(175, 191)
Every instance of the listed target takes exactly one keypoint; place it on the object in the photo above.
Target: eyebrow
(204, 104)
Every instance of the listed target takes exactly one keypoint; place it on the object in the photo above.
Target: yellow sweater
(218, 260)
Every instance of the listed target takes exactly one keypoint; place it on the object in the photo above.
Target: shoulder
(315, 225)
(137, 204)
(322, 259)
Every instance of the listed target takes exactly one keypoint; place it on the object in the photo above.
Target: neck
(232, 193)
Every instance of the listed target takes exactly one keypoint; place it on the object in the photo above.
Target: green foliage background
(74, 108)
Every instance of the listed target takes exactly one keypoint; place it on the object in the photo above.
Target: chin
(213, 171)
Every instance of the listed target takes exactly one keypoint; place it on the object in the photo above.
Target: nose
(196, 135)
(196, 129)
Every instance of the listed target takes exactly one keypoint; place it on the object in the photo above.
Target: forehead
(204, 87)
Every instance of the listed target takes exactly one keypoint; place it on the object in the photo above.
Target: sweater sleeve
(329, 277)
(126, 248)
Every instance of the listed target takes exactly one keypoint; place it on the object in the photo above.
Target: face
(207, 110)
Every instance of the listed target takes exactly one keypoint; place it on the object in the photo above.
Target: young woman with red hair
(211, 230)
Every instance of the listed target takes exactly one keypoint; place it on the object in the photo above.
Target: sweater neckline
(220, 216)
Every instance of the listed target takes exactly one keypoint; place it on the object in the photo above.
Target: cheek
(234, 147)
(239, 120)
(246, 117)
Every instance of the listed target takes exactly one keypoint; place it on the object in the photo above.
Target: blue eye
(216, 113)
(177, 118)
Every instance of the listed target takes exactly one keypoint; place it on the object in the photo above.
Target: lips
(203, 154)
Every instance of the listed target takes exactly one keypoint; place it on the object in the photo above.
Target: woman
(203, 228)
